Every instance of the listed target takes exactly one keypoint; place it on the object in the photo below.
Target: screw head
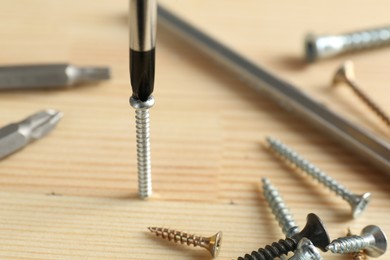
(214, 244)
(379, 246)
(315, 231)
(359, 205)
(344, 74)
(138, 104)
(306, 251)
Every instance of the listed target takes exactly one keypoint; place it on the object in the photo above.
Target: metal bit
(279, 209)
(17, 135)
(212, 244)
(306, 251)
(49, 76)
(357, 202)
(323, 46)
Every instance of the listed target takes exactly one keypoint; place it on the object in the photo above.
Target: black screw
(314, 230)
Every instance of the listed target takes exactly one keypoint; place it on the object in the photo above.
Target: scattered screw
(279, 209)
(358, 202)
(306, 251)
(314, 230)
(212, 244)
(345, 74)
(372, 240)
(317, 47)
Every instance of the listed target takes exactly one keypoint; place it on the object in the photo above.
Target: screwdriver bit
(17, 135)
(49, 76)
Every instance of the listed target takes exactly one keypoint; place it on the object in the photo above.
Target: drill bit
(49, 76)
(142, 17)
(17, 135)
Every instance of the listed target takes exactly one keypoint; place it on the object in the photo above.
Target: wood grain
(72, 195)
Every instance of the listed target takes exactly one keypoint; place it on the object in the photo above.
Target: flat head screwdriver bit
(37, 76)
(17, 135)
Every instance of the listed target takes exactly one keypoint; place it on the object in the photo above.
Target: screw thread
(180, 237)
(272, 251)
(143, 153)
(348, 244)
(366, 39)
(296, 160)
(279, 209)
(374, 107)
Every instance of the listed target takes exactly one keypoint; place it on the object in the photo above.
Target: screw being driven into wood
(357, 202)
(314, 230)
(142, 45)
(279, 209)
(212, 244)
(372, 240)
(345, 74)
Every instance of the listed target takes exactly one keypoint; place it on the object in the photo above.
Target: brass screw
(345, 74)
(212, 244)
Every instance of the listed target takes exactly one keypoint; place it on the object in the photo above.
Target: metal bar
(370, 147)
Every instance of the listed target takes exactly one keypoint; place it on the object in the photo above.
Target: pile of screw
(304, 243)
(371, 242)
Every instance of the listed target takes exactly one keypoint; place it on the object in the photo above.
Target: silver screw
(357, 202)
(143, 145)
(372, 240)
(345, 74)
(306, 251)
(279, 209)
(322, 46)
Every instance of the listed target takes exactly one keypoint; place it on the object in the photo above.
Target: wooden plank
(207, 131)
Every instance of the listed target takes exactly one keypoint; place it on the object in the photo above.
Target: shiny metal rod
(370, 147)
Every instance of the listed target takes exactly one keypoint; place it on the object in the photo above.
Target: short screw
(143, 145)
(306, 251)
(314, 230)
(212, 244)
(279, 209)
(323, 46)
(357, 202)
(345, 74)
(372, 240)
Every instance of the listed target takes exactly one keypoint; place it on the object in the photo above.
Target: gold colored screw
(212, 244)
(357, 255)
(345, 74)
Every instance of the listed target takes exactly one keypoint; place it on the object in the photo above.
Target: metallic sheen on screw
(324, 46)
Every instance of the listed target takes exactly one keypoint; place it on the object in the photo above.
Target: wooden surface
(72, 195)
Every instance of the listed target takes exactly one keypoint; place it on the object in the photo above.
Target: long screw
(212, 244)
(357, 202)
(306, 251)
(372, 240)
(143, 145)
(314, 230)
(279, 209)
(345, 74)
(323, 46)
